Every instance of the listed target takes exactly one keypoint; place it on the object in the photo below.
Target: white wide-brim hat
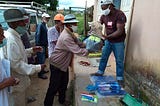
(70, 18)
(71, 21)
(13, 15)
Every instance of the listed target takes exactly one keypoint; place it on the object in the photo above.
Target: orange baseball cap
(59, 17)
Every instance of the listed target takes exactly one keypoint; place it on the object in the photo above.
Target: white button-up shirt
(17, 55)
(53, 35)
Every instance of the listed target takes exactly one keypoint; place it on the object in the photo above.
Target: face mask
(4, 42)
(21, 29)
(107, 11)
(74, 28)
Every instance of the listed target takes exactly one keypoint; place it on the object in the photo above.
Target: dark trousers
(41, 57)
(58, 83)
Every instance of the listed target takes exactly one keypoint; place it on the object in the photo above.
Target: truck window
(2, 21)
(33, 20)
(33, 23)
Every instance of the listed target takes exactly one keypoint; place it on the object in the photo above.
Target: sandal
(67, 103)
(42, 76)
(31, 99)
(45, 71)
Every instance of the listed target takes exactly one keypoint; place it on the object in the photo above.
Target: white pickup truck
(34, 9)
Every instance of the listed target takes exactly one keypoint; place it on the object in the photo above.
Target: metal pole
(70, 10)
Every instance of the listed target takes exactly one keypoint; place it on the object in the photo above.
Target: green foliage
(80, 18)
(53, 5)
(80, 24)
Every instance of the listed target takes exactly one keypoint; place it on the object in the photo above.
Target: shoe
(66, 103)
(31, 99)
(43, 71)
(96, 74)
(42, 76)
(121, 83)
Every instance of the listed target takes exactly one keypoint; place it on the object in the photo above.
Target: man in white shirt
(17, 55)
(54, 32)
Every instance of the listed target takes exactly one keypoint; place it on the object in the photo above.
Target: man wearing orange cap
(54, 32)
(60, 60)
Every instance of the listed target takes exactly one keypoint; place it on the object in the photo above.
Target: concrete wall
(97, 10)
(142, 64)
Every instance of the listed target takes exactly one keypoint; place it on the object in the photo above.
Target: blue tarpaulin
(107, 86)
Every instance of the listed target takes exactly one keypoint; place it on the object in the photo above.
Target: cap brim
(17, 19)
(48, 17)
(106, 3)
(71, 21)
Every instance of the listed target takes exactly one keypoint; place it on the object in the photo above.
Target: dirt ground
(38, 89)
(39, 86)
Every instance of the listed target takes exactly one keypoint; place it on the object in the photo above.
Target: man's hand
(43, 66)
(104, 37)
(37, 49)
(11, 81)
(17, 81)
